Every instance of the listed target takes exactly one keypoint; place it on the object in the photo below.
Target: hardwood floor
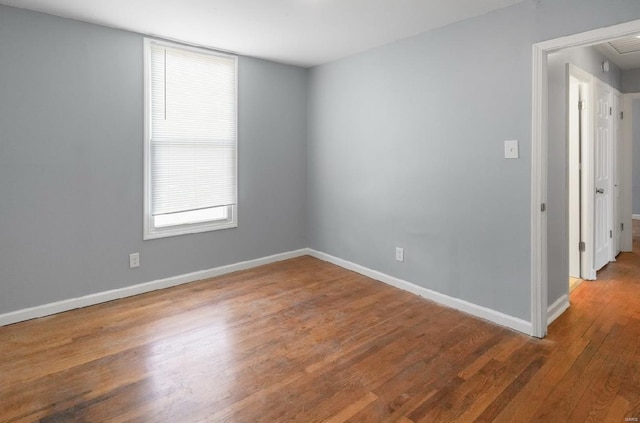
(306, 341)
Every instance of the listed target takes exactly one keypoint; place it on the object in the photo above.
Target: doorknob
(599, 190)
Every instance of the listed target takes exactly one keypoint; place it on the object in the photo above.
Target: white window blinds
(192, 129)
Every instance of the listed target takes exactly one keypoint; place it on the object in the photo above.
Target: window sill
(187, 229)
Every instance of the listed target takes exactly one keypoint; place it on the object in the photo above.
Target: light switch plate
(511, 149)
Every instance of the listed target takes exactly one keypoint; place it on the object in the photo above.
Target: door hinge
(621, 227)
(582, 247)
(610, 234)
(610, 111)
(621, 115)
(581, 105)
(543, 207)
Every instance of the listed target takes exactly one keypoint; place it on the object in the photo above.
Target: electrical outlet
(134, 260)
(399, 254)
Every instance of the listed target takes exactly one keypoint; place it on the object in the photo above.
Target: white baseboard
(462, 305)
(635, 216)
(475, 310)
(557, 308)
(114, 294)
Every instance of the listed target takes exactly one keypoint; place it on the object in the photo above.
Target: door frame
(618, 134)
(539, 161)
(626, 160)
(586, 204)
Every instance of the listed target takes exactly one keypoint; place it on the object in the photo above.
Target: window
(190, 140)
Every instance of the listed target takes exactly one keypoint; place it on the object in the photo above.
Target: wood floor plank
(597, 399)
(618, 411)
(565, 396)
(352, 409)
(526, 403)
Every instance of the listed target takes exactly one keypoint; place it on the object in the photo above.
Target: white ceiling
(624, 52)
(300, 32)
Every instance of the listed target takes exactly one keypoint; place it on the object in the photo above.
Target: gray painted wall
(589, 60)
(636, 157)
(406, 144)
(631, 81)
(404, 148)
(71, 148)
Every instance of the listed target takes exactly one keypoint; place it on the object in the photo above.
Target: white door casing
(580, 204)
(573, 132)
(625, 160)
(585, 207)
(617, 166)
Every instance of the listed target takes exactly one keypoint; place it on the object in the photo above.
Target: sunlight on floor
(573, 283)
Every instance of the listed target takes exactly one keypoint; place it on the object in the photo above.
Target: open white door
(602, 160)
(617, 182)
(573, 127)
(580, 172)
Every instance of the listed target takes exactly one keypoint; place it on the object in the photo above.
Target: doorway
(577, 131)
(540, 158)
(593, 172)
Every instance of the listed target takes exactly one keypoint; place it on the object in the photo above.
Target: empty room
(319, 211)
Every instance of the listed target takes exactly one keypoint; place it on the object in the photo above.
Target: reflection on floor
(573, 283)
(598, 349)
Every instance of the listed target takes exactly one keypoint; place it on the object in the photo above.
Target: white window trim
(149, 230)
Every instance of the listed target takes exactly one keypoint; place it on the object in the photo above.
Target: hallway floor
(595, 362)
